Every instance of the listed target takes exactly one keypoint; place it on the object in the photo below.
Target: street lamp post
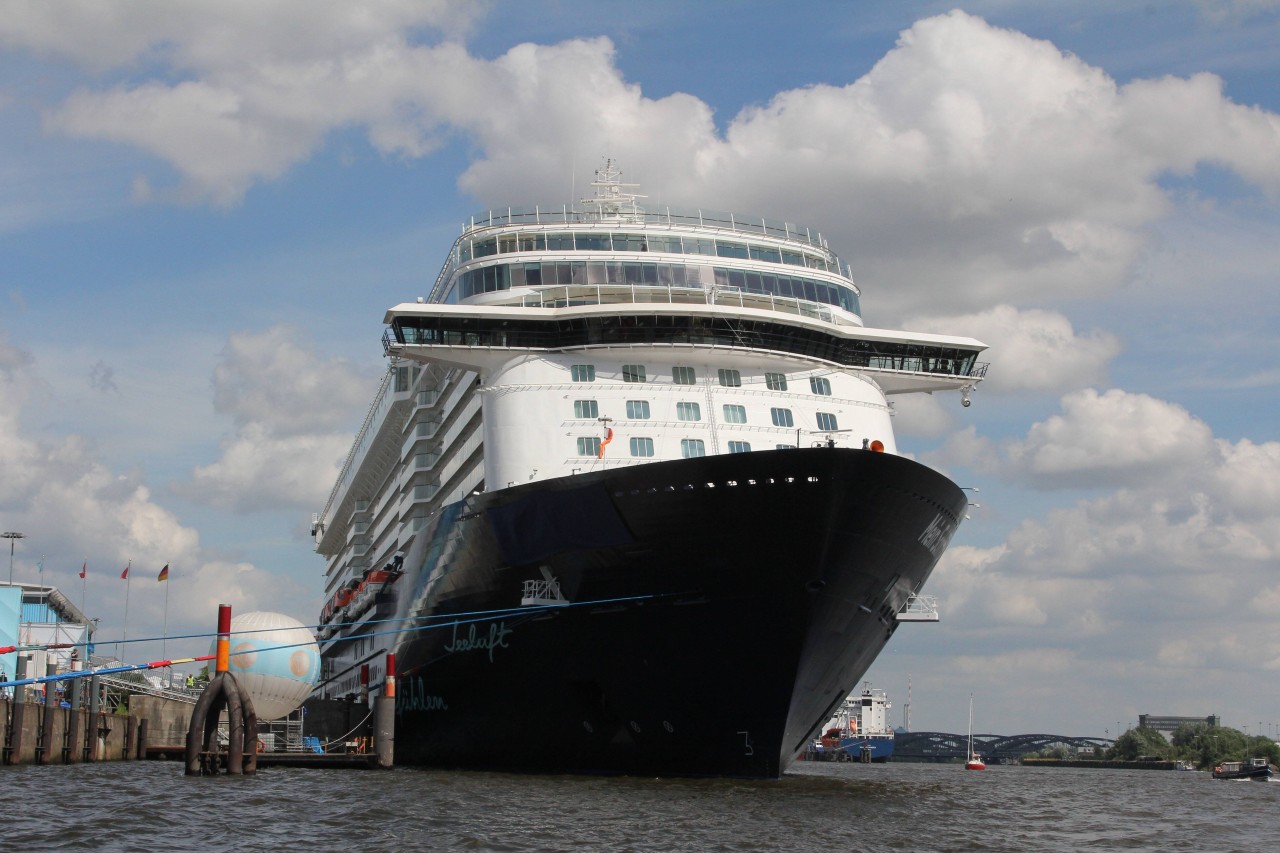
(13, 537)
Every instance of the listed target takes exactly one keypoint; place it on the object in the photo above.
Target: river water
(151, 806)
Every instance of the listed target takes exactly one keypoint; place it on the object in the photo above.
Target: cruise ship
(628, 499)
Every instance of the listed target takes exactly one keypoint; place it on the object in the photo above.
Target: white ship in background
(860, 730)
(628, 469)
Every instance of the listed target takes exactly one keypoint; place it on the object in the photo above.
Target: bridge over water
(941, 746)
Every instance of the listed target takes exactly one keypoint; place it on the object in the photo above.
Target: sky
(206, 208)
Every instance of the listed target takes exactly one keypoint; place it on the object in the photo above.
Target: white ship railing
(919, 608)
(542, 593)
(716, 219)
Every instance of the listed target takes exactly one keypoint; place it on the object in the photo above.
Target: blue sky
(205, 209)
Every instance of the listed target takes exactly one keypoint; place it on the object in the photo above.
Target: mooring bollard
(222, 692)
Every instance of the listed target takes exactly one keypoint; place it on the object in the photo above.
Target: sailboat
(975, 761)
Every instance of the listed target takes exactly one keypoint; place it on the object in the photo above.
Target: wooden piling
(384, 739)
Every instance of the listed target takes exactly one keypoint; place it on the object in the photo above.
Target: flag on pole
(84, 569)
(164, 573)
(124, 576)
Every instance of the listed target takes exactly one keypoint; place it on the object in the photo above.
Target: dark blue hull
(881, 748)
(717, 611)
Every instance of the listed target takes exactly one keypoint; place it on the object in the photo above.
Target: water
(834, 808)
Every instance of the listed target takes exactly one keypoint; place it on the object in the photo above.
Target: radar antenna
(613, 200)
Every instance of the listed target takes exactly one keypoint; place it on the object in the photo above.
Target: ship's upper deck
(608, 239)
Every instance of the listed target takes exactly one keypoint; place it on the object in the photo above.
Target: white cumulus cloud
(1031, 349)
(292, 409)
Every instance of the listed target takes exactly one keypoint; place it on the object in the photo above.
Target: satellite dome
(275, 659)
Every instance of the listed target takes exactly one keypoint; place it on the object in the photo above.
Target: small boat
(1255, 768)
(975, 761)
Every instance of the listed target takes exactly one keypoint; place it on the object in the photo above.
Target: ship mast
(613, 201)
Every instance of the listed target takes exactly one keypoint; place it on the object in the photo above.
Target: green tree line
(1203, 745)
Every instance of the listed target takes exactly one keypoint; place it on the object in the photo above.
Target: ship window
(638, 410)
(506, 243)
(589, 445)
(794, 258)
(484, 248)
(642, 447)
(585, 409)
(560, 241)
(691, 447)
(827, 421)
(533, 275)
(670, 275)
(775, 381)
(683, 376)
(688, 411)
(699, 274)
(596, 273)
(739, 447)
(820, 385)
(694, 246)
(784, 447)
(730, 378)
(532, 243)
(583, 372)
(629, 243)
(633, 373)
(735, 414)
(402, 379)
(764, 253)
(725, 249)
(589, 242)
(665, 244)
(781, 417)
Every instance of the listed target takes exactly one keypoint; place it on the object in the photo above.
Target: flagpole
(127, 581)
(43, 589)
(84, 573)
(164, 637)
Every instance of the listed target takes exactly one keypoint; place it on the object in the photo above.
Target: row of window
(559, 333)
(638, 410)
(594, 241)
(506, 276)
(728, 377)
(642, 447)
